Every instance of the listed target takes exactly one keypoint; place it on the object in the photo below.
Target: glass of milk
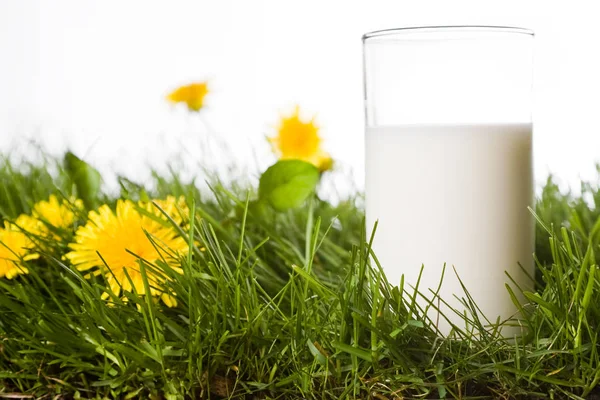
(449, 174)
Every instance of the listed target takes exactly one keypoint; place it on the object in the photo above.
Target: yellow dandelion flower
(55, 213)
(15, 248)
(51, 215)
(298, 139)
(112, 243)
(28, 224)
(175, 207)
(192, 95)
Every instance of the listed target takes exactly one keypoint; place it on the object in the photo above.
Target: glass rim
(398, 32)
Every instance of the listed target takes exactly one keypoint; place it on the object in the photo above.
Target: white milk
(454, 194)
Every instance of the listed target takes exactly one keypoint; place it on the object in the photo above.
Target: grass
(289, 305)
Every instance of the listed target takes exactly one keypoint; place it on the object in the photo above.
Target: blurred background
(93, 76)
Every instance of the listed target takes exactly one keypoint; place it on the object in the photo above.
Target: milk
(454, 194)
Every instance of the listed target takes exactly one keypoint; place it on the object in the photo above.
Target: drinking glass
(449, 173)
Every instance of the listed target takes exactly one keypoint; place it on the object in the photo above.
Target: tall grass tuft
(288, 305)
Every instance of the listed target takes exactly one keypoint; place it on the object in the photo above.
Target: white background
(93, 75)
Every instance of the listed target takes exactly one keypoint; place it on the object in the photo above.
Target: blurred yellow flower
(298, 139)
(192, 95)
(324, 162)
(112, 244)
(175, 207)
(15, 248)
(51, 215)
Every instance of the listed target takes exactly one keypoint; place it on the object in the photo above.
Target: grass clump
(285, 305)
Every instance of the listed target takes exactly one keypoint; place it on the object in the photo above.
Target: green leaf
(288, 183)
(87, 179)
